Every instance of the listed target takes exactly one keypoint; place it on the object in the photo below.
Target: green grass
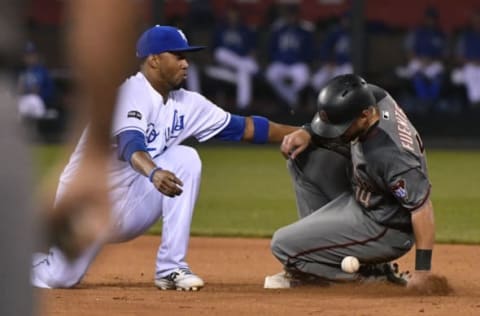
(246, 191)
(454, 176)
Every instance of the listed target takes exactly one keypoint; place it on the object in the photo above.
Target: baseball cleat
(181, 279)
(289, 279)
(384, 272)
(282, 280)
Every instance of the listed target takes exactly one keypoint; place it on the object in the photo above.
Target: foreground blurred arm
(99, 46)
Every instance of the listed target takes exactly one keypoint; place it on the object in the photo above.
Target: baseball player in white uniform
(151, 174)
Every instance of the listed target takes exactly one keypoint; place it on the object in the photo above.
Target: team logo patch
(399, 189)
(135, 114)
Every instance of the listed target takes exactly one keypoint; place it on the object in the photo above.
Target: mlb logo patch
(135, 114)
(399, 189)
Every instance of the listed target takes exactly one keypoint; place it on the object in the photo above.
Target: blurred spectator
(468, 54)
(35, 86)
(426, 47)
(290, 52)
(234, 52)
(335, 53)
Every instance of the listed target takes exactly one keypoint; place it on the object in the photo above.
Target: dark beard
(180, 85)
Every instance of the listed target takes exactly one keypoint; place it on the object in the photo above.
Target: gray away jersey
(390, 177)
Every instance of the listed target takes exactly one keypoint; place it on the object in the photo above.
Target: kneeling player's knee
(189, 159)
(278, 245)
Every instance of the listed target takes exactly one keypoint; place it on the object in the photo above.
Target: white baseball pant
(135, 209)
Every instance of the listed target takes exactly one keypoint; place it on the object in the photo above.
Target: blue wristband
(150, 176)
(261, 127)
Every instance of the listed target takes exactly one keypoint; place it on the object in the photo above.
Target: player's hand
(427, 283)
(418, 279)
(167, 183)
(294, 143)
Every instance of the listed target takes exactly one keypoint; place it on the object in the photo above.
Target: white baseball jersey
(140, 107)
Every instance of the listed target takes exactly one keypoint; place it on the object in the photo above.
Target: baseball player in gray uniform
(362, 189)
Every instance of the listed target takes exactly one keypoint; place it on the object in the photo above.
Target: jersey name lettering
(403, 128)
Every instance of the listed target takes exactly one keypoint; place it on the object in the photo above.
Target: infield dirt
(120, 282)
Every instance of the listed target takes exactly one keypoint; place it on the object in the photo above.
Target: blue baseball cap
(160, 39)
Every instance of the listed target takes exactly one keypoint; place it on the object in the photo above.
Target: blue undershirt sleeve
(129, 142)
(234, 130)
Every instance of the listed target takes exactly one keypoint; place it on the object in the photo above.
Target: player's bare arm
(424, 229)
(276, 132)
(165, 181)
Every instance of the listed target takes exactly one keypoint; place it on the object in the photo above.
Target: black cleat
(383, 272)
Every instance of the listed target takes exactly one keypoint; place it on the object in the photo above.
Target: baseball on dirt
(350, 264)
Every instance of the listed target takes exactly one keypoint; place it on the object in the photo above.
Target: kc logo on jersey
(170, 132)
(399, 189)
(151, 133)
(176, 128)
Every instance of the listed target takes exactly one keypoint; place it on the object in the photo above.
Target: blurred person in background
(234, 53)
(35, 85)
(290, 51)
(468, 56)
(426, 48)
(335, 53)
